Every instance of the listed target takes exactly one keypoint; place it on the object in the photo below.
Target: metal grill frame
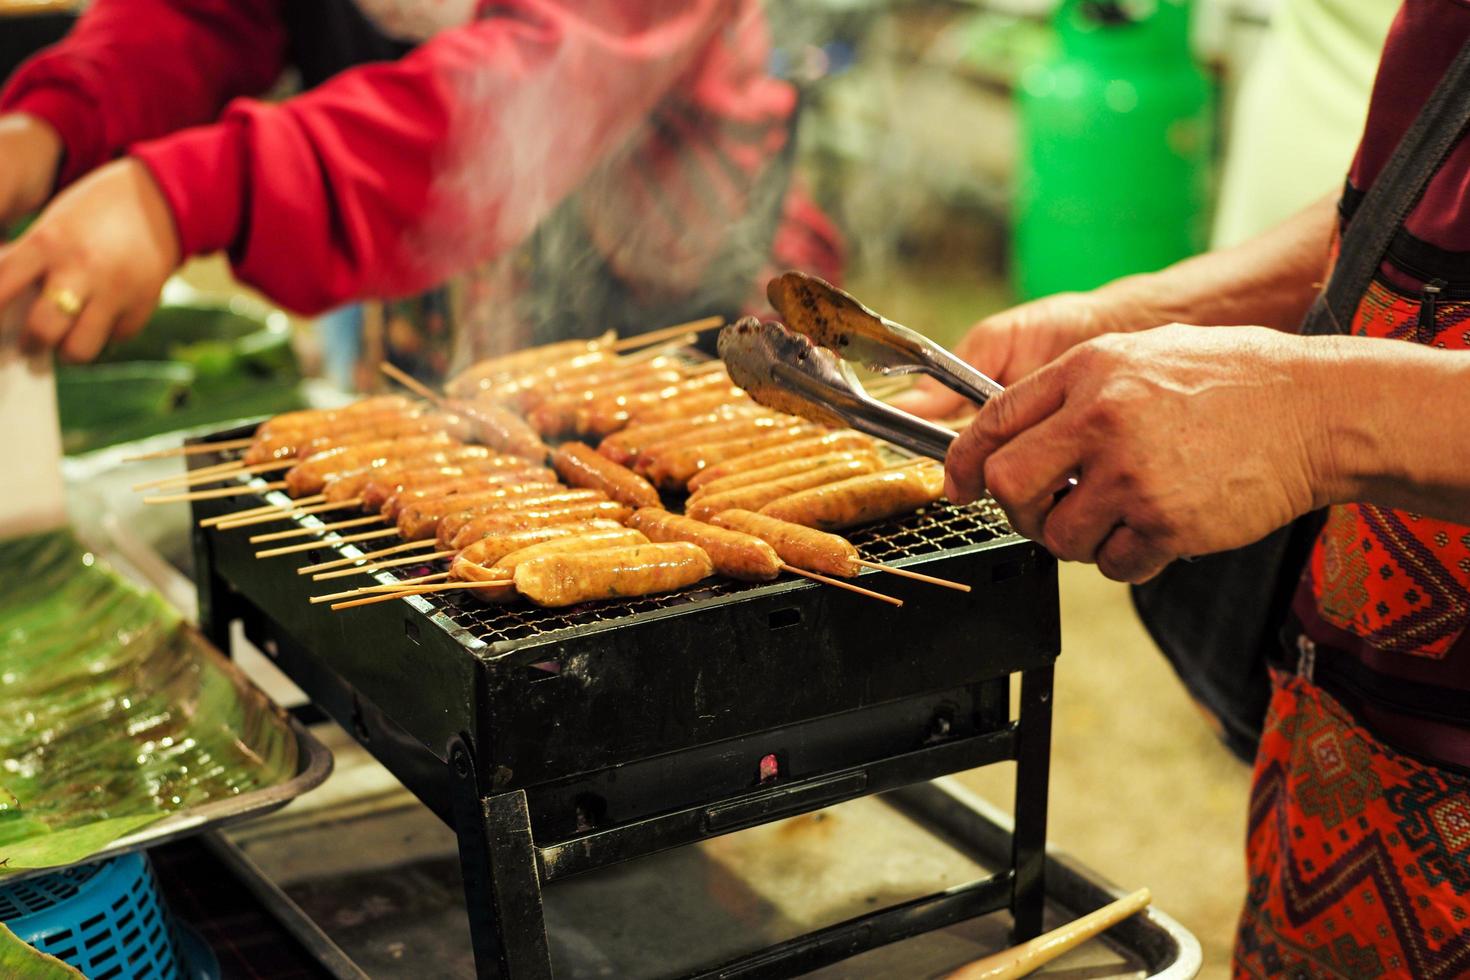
(614, 736)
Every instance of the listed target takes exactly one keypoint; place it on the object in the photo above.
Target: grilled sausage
(607, 414)
(722, 431)
(503, 521)
(524, 391)
(581, 466)
(420, 519)
(450, 523)
(757, 495)
(779, 471)
(862, 499)
(626, 445)
(311, 474)
(833, 442)
(483, 374)
(489, 549)
(672, 470)
(302, 442)
(605, 376)
(376, 485)
(801, 547)
(557, 415)
(501, 429)
(736, 555)
(311, 417)
(698, 403)
(508, 483)
(465, 568)
(565, 580)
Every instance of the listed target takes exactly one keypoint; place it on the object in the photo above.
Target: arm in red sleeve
(391, 177)
(137, 69)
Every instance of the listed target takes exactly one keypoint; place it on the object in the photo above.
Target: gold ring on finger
(65, 300)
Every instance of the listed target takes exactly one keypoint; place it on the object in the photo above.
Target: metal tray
(313, 766)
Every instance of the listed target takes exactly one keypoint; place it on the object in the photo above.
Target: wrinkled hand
(1183, 440)
(30, 152)
(106, 244)
(1013, 343)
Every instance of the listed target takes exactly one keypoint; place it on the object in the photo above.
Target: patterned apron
(1359, 855)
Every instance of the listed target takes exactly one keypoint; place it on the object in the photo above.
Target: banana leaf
(18, 959)
(111, 715)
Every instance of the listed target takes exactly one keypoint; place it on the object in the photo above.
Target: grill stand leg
(502, 885)
(1028, 846)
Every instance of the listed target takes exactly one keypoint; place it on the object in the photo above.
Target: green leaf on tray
(112, 713)
(19, 959)
(58, 848)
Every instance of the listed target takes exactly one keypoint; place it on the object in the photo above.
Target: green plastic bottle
(1116, 142)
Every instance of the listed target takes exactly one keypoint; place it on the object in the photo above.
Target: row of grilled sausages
(762, 485)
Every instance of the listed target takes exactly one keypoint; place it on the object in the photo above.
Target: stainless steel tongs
(805, 375)
(783, 370)
(833, 319)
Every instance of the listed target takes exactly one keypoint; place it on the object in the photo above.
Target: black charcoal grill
(558, 741)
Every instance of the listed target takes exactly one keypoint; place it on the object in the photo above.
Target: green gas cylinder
(1116, 140)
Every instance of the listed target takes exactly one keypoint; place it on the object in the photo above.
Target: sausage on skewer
(493, 546)
(438, 487)
(736, 555)
(757, 495)
(833, 442)
(626, 445)
(450, 523)
(779, 471)
(672, 470)
(466, 568)
(862, 499)
(565, 580)
(517, 520)
(581, 466)
(803, 547)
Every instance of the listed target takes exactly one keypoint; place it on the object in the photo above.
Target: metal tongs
(783, 370)
(804, 375)
(833, 319)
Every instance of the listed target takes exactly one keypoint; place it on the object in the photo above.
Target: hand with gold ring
(99, 253)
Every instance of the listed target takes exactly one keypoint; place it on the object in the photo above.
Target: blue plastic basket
(106, 919)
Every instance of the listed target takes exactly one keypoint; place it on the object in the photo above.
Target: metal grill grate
(944, 527)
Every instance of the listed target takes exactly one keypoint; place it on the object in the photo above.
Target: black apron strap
(1394, 192)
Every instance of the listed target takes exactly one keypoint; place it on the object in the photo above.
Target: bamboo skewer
(1029, 956)
(383, 565)
(292, 549)
(668, 333)
(241, 490)
(257, 511)
(302, 532)
(371, 589)
(233, 464)
(411, 383)
(368, 556)
(211, 475)
(842, 585)
(415, 590)
(288, 513)
(193, 450)
(916, 576)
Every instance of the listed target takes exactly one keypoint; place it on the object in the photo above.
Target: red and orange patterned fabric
(1359, 857)
(1398, 581)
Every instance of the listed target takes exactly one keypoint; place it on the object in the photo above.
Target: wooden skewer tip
(370, 589)
(177, 498)
(292, 549)
(192, 450)
(837, 582)
(916, 576)
(368, 556)
(302, 532)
